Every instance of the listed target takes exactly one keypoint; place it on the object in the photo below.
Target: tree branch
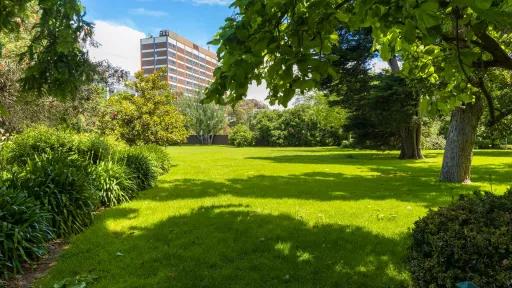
(490, 45)
(488, 97)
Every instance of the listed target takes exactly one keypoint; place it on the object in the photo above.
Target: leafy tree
(306, 124)
(150, 117)
(56, 63)
(203, 119)
(456, 43)
(243, 111)
(266, 126)
(388, 123)
(385, 116)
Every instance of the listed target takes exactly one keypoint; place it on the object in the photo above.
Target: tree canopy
(54, 57)
(286, 43)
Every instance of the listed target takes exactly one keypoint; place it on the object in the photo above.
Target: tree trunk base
(458, 152)
(411, 141)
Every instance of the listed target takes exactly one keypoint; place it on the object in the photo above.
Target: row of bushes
(302, 125)
(53, 181)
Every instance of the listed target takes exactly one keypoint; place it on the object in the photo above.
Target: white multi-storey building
(189, 67)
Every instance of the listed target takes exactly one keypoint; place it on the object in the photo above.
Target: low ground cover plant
(53, 181)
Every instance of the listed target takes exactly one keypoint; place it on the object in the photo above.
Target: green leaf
(385, 52)
(410, 31)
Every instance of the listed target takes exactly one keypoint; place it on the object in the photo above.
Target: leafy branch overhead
(56, 61)
(287, 43)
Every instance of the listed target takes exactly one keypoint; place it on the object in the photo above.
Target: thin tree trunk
(458, 152)
(411, 140)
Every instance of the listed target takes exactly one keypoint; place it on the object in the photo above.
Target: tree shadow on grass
(320, 186)
(346, 157)
(234, 246)
(382, 162)
(389, 178)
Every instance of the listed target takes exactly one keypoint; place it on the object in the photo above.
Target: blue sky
(197, 20)
(120, 24)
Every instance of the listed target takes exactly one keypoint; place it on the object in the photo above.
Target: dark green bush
(61, 183)
(57, 179)
(113, 183)
(470, 240)
(241, 136)
(159, 158)
(141, 169)
(24, 231)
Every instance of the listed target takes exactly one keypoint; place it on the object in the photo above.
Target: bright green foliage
(267, 129)
(241, 136)
(432, 133)
(292, 217)
(93, 147)
(307, 124)
(140, 168)
(466, 241)
(203, 119)
(113, 183)
(160, 160)
(61, 178)
(57, 64)
(59, 181)
(37, 140)
(284, 42)
(148, 118)
(24, 231)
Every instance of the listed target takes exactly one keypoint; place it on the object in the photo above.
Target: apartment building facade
(189, 66)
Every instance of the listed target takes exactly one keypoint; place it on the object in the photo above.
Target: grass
(270, 217)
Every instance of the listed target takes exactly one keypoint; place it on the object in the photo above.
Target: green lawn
(270, 217)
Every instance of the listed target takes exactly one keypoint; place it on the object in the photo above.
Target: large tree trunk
(411, 140)
(460, 141)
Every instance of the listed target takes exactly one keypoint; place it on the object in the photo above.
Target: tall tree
(286, 43)
(376, 123)
(205, 120)
(54, 58)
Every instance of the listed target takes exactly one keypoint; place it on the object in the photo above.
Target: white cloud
(147, 12)
(119, 44)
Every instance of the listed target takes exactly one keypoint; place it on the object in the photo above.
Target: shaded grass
(270, 217)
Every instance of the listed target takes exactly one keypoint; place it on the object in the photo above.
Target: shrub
(37, 140)
(466, 241)
(139, 165)
(113, 183)
(96, 148)
(159, 158)
(314, 124)
(60, 182)
(24, 231)
(241, 136)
